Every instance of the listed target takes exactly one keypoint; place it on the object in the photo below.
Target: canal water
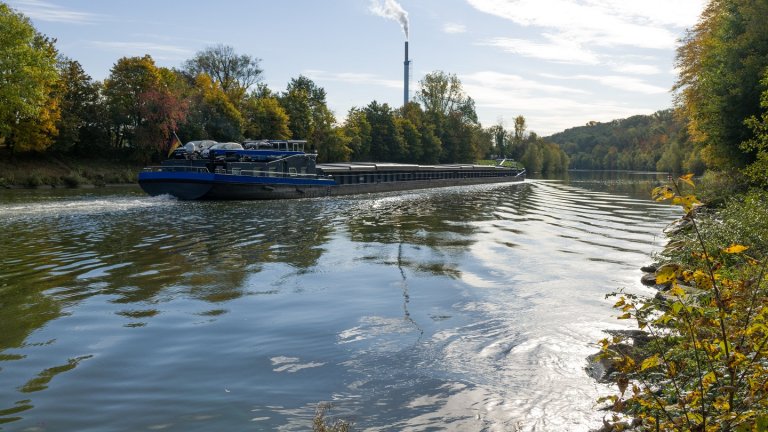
(467, 308)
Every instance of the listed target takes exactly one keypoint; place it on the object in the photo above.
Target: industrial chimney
(406, 69)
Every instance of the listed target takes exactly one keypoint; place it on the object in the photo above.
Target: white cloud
(607, 23)
(557, 50)
(549, 107)
(636, 69)
(157, 51)
(626, 83)
(501, 82)
(44, 11)
(453, 28)
(352, 78)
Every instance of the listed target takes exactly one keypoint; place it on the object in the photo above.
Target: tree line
(656, 142)
(219, 95)
(720, 117)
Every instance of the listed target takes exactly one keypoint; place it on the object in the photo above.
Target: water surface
(469, 308)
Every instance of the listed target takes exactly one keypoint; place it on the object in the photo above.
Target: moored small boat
(281, 169)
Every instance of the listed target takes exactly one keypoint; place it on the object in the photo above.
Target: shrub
(705, 367)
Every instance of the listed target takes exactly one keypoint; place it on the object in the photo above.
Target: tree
(386, 143)
(441, 94)
(234, 73)
(358, 130)
(499, 139)
(265, 118)
(146, 104)
(452, 113)
(301, 100)
(81, 121)
(311, 119)
(429, 145)
(212, 115)
(29, 84)
(757, 171)
(721, 62)
(129, 79)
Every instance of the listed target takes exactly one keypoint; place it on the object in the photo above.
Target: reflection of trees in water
(137, 259)
(436, 220)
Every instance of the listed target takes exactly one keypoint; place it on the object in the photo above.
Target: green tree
(81, 126)
(234, 73)
(29, 84)
(301, 99)
(453, 114)
(265, 118)
(441, 94)
(429, 145)
(518, 138)
(757, 171)
(386, 142)
(358, 130)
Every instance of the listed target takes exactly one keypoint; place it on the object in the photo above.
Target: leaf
(709, 379)
(687, 179)
(735, 248)
(662, 193)
(650, 362)
(676, 307)
(677, 291)
(624, 316)
(666, 274)
(687, 202)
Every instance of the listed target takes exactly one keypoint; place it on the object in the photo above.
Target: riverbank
(45, 171)
(697, 360)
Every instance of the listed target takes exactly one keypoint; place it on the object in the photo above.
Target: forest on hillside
(52, 106)
(656, 142)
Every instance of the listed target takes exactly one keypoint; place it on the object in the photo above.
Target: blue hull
(208, 186)
(200, 185)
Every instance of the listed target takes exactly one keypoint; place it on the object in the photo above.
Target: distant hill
(656, 142)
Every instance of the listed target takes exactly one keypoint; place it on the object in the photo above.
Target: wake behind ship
(281, 169)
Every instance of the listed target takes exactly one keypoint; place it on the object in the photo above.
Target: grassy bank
(51, 171)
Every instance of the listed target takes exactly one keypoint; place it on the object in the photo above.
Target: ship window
(292, 172)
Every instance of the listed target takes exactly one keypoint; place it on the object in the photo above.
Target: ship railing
(179, 168)
(233, 171)
(266, 173)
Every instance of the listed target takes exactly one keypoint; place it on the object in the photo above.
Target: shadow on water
(416, 310)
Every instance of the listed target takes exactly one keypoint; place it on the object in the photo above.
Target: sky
(558, 63)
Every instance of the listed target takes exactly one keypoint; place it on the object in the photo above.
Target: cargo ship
(281, 169)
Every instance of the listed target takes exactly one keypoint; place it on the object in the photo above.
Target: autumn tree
(211, 114)
(144, 105)
(29, 84)
(721, 62)
(265, 118)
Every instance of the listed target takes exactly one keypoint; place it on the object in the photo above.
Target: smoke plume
(392, 10)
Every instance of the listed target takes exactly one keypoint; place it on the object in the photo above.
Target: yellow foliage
(687, 179)
(735, 248)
